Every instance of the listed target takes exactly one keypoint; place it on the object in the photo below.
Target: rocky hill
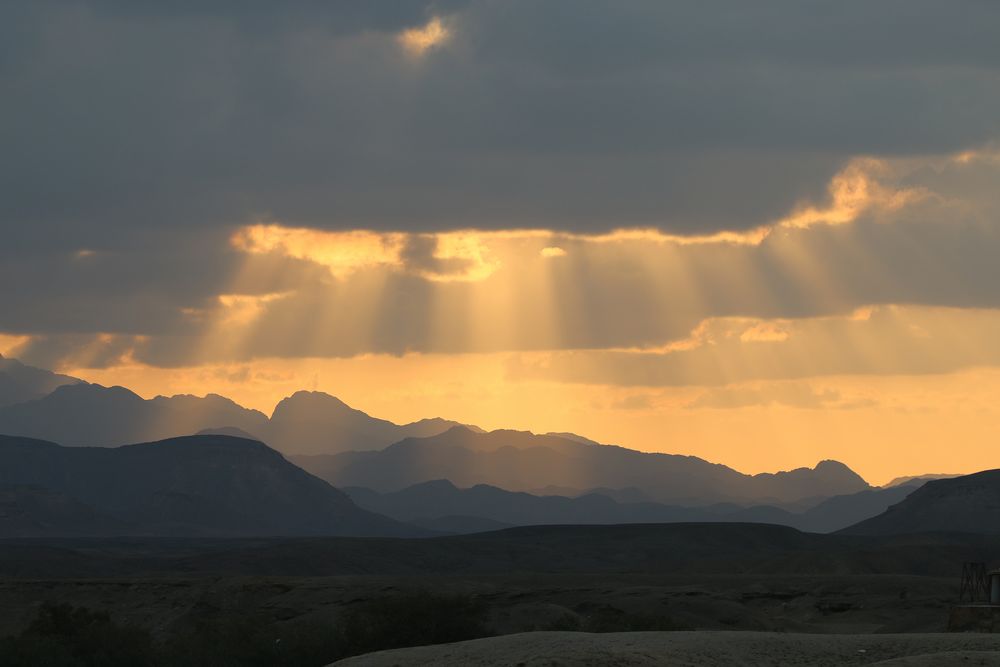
(196, 485)
(970, 503)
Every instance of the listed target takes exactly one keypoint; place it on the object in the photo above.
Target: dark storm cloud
(577, 115)
(135, 137)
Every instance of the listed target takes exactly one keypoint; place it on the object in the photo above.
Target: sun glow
(340, 252)
(417, 41)
(853, 191)
(10, 344)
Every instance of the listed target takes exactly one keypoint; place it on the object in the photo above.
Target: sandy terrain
(684, 649)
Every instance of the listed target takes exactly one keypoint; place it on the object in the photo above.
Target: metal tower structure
(974, 583)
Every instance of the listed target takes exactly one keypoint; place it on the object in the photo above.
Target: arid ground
(695, 649)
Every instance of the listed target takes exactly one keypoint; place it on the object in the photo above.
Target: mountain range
(82, 414)
(440, 505)
(346, 446)
(521, 461)
(433, 473)
(910, 479)
(190, 486)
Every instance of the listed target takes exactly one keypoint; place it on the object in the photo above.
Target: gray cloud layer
(577, 115)
(144, 133)
(939, 250)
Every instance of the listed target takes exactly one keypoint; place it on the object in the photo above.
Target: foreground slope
(970, 503)
(196, 485)
(521, 461)
(695, 649)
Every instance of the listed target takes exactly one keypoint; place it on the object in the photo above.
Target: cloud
(786, 394)
(575, 116)
(890, 340)
(217, 183)
(634, 402)
(76, 350)
(192, 296)
(420, 40)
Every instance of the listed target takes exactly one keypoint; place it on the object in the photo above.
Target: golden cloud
(417, 41)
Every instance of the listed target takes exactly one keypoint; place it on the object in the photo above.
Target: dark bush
(65, 636)
(241, 639)
(413, 619)
(224, 639)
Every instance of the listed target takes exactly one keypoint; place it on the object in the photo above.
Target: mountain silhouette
(305, 423)
(422, 503)
(430, 503)
(898, 481)
(19, 382)
(34, 511)
(970, 503)
(195, 485)
(310, 422)
(837, 512)
(518, 461)
(346, 446)
(91, 415)
(231, 431)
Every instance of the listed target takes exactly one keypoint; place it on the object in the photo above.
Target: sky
(761, 233)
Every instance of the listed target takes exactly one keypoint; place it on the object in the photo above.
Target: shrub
(413, 619)
(66, 636)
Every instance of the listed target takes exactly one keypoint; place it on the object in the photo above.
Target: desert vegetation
(61, 635)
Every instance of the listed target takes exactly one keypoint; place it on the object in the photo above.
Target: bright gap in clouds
(417, 41)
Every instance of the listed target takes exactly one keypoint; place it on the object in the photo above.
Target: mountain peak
(322, 396)
(309, 400)
(210, 446)
(92, 390)
(231, 431)
(831, 465)
(20, 383)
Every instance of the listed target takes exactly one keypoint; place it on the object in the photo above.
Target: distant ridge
(20, 383)
(431, 503)
(91, 415)
(189, 486)
(347, 446)
(310, 422)
(898, 481)
(83, 414)
(519, 461)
